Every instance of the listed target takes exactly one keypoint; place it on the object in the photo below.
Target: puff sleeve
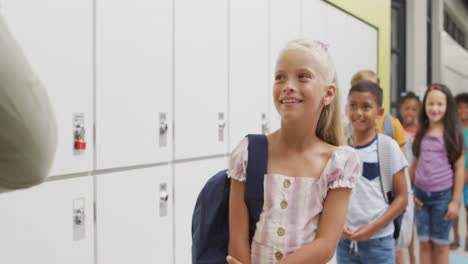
(238, 161)
(344, 169)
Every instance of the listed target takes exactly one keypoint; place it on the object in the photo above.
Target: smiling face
(300, 89)
(436, 106)
(409, 111)
(363, 111)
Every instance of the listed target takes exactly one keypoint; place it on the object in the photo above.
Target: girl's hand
(452, 211)
(231, 260)
(363, 233)
(347, 232)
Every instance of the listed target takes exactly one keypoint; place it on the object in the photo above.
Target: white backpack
(406, 221)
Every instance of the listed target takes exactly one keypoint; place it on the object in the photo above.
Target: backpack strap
(388, 126)
(385, 165)
(256, 169)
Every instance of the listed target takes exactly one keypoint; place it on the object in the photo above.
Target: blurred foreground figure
(28, 133)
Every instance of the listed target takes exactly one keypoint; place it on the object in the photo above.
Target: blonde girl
(310, 173)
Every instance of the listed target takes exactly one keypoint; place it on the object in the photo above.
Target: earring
(325, 110)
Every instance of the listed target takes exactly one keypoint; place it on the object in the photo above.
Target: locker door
(134, 82)
(56, 36)
(248, 89)
(314, 19)
(189, 179)
(38, 225)
(350, 53)
(285, 25)
(201, 78)
(134, 216)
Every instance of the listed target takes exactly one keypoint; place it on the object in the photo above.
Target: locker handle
(163, 127)
(164, 196)
(222, 124)
(79, 216)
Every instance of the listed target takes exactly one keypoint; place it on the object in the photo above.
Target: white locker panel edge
(37, 224)
(189, 179)
(285, 25)
(134, 82)
(56, 37)
(248, 87)
(201, 77)
(130, 228)
(353, 45)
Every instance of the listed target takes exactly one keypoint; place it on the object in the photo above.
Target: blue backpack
(210, 220)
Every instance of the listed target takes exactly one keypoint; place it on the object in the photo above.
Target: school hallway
(150, 98)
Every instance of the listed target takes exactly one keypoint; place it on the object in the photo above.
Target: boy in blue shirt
(368, 233)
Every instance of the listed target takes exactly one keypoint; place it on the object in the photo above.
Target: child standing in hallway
(310, 173)
(397, 131)
(368, 234)
(461, 101)
(438, 172)
(409, 111)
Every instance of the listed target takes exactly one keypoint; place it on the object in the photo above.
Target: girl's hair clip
(323, 45)
(434, 86)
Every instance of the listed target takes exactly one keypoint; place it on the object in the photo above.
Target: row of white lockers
(166, 89)
(204, 68)
(125, 217)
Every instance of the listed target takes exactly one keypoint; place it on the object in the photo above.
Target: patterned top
(292, 205)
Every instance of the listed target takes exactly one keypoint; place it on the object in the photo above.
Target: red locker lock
(80, 145)
(79, 142)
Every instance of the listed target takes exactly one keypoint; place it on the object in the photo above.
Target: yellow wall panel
(378, 14)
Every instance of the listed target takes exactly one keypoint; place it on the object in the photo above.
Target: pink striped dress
(292, 205)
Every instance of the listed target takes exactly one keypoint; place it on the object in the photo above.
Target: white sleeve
(399, 161)
(28, 133)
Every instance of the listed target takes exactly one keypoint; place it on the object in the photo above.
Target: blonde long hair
(329, 127)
